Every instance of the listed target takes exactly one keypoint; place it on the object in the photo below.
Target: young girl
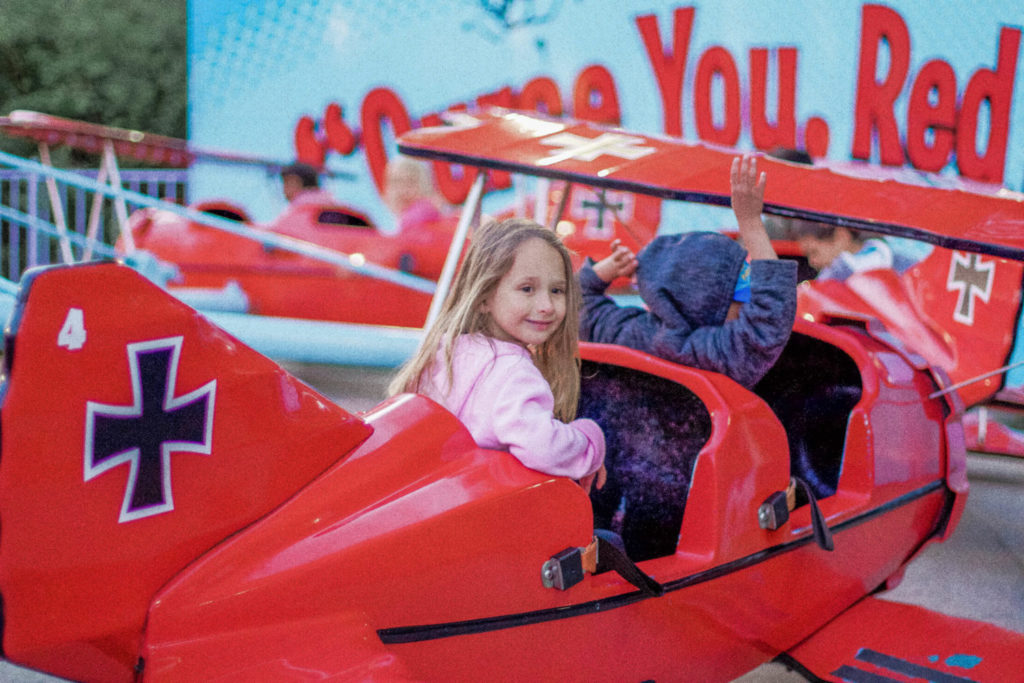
(502, 353)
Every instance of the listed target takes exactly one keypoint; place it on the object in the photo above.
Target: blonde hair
(407, 180)
(490, 255)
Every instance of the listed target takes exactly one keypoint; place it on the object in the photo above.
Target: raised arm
(747, 203)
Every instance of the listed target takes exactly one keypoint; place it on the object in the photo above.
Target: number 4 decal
(72, 332)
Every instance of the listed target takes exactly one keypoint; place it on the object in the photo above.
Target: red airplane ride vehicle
(275, 280)
(281, 283)
(960, 310)
(177, 507)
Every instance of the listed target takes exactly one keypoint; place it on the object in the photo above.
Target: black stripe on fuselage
(413, 634)
(897, 666)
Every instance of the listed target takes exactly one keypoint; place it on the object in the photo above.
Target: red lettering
(937, 81)
(381, 107)
(669, 67)
(816, 137)
(500, 98)
(498, 180)
(541, 95)
(309, 149)
(453, 182)
(783, 133)
(874, 107)
(996, 88)
(717, 62)
(340, 137)
(594, 97)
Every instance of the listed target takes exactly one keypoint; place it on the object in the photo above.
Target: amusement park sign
(906, 84)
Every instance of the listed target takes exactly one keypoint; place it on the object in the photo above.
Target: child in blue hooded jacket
(706, 307)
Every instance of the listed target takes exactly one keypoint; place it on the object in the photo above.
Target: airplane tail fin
(958, 310)
(136, 435)
(974, 301)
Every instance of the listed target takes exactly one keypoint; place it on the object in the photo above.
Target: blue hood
(687, 280)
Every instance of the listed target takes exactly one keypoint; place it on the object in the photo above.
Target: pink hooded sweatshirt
(505, 402)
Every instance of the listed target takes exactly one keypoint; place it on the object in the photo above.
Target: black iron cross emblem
(146, 433)
(602, 204)
(972, 277)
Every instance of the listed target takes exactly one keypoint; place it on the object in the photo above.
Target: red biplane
(960, 310)
(177, 507)
(275, 280)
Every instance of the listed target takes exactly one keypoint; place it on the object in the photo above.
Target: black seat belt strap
(822, 535)
(612, 558)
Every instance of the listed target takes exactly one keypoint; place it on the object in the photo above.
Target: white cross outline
(131, 456)
(459, 120)
(588, 149)
(967, 293)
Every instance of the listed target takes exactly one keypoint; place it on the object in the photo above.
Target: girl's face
(528, 304)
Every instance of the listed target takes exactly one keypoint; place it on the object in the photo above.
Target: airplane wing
(933, 209)
(90, 137)
(148, 147)
(985, 432)
(881, 641)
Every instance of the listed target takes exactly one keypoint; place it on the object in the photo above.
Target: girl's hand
(599, 477)
(621, 263)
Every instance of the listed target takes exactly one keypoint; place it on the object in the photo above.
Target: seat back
(654, 429)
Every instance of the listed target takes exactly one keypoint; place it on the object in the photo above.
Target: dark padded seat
(339, 217)
(812, 388)
(654, 429)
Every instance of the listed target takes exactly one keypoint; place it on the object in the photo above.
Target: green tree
(114, 62)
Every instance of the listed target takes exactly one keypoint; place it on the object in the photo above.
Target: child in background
(301, 185)
(837, 252)
(706, 306)
(502, 355)
(410, 194)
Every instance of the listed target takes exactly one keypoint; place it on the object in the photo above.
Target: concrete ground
(978, 573)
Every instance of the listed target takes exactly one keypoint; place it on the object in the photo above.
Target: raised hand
(621, 263)
(747, 203)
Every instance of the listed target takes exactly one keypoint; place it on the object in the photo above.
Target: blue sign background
(257, 67)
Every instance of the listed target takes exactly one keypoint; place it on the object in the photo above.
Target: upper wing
(56, 130)
(938, 210)
(880, 641)
(148, 147)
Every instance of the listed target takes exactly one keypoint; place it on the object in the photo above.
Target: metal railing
(63, 240)
(27, 217)
(34, 236)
